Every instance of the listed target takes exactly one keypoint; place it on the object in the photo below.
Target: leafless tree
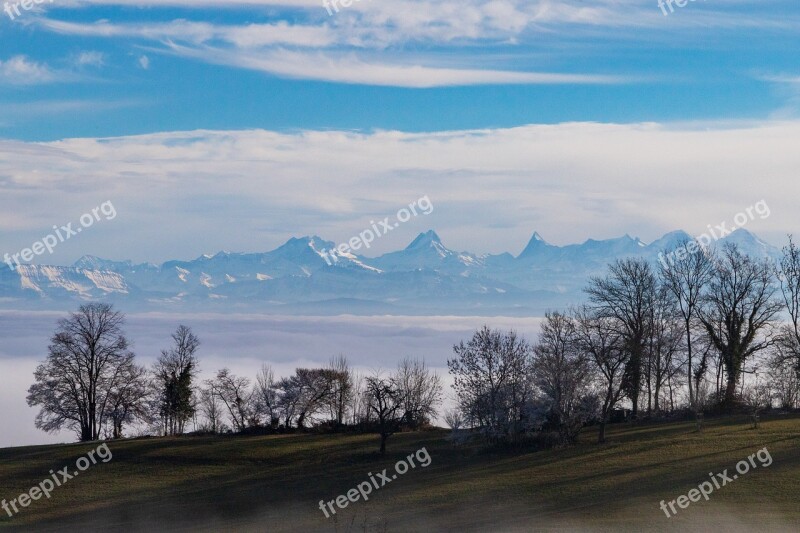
(305, 393)
(625, 298)
(385, 401)
(783, 378)
(234, 393)
(596, 336)
(757, 397)
(211, 408)
(359, 410)
(129, 399)
(421, 389)
(561, 372)
(491, 378)
(788, 273)
(686, 277)
(455, 421)
(266, 397)
(664, 350)
(738, 311)
(341, 388)
(88, 359)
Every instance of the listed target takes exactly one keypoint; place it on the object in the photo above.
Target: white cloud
(144, 62)
(264, 47)
(204, 191)
(350, 68)
(245, 36)
(401, 42)
(19, 70)
(90, 59)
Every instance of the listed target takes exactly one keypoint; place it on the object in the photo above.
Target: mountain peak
(88, 261)
(92, 262)
(748, 242)
(424, 240)
(670, 240)
(536, 243)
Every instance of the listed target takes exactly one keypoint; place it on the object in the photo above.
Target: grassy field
(275, 483)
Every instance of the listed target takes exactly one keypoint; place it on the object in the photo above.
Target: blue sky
(234, 125)
(74, 68)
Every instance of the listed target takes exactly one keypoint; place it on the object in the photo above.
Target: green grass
(274, 483)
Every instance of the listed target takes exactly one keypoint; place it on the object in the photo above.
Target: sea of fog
(241, 343)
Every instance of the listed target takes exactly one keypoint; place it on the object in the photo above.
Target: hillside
(275, 483)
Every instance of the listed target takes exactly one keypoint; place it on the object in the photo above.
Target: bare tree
(234, 393)
(359, 409)
(455, 421)
(341, 388)
(757, 397)
(129, 399)
(625, 297)
(788, 273)
(562, 373)
(686, 276)
(600, 339)
(783, 378)
(421, 389)
(491, 378)
(211, 409)
(305, 393)
(385, 401)
(665, 347)
(88, 359)
(265, 396)
(738, 311)
(175, 371)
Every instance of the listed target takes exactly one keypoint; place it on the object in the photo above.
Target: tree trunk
(384, 436)
(730, 391)
(689, 372)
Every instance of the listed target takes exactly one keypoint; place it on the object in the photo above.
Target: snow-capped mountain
(428, 252)
(307, 275)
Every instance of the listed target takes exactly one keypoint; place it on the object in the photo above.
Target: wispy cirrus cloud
(246, 36)
(353, 52)
(788, 85)
(354, 69)
(411, 36)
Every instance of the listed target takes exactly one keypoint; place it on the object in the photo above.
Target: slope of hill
(275, 483)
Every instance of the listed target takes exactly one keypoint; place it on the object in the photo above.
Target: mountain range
(299, 278)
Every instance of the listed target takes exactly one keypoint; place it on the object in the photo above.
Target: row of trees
(646, 336)
(336, 397)
(90, 383)
(654, 338)
(699, 319)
